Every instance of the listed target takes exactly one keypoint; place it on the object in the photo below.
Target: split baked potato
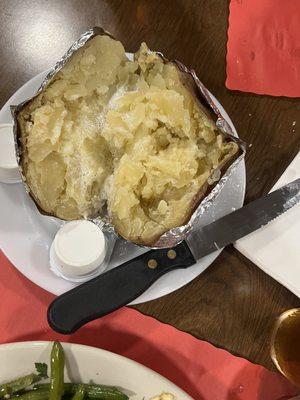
(127, 138)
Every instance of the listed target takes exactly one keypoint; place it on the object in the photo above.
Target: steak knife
(121, 285)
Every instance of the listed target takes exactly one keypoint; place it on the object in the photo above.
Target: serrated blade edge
(243, 221)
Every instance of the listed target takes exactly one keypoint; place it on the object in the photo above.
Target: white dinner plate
(88, 364)
(26, 235)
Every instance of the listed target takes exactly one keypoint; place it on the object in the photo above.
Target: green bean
(15, 386)
(79, 394)
(33, 395)
(104, 393)
(93, 391)
(57, 362)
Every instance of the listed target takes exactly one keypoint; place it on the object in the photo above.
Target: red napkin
(263, 49)
(202, 370)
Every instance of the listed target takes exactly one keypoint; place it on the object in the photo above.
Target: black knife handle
(114, 288)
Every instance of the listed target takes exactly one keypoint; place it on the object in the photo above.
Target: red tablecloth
(202, 370)
(263, 50)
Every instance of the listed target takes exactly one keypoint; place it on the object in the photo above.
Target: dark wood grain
(232, 304)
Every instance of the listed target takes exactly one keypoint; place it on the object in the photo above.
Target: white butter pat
(79, 248)
(9, 170)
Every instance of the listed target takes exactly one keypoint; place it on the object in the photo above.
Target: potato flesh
(126, 134)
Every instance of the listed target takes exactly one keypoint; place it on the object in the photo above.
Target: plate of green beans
(56, 371)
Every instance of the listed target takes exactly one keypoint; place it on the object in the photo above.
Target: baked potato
(126, 138)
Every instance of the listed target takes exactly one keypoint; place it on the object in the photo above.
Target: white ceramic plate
(26, 235)
(85, 364)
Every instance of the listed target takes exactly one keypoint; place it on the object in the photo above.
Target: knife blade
(121, 285)
(243, 221)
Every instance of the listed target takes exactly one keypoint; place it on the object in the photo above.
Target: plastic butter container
(9, 170)
(80, 251)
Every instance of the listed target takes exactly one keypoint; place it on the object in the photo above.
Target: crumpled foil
(176, 235)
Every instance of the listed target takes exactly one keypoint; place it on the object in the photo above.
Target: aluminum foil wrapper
(176, 235)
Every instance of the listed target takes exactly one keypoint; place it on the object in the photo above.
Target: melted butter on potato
(126, 134)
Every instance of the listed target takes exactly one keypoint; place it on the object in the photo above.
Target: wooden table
(232, 304)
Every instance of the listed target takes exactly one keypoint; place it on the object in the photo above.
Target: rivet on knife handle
(115, 288)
